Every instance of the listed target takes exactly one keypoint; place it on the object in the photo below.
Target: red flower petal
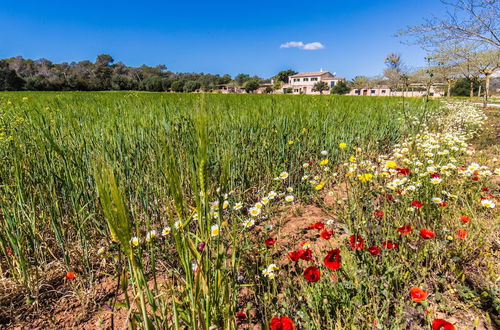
(332, 259)
(270, 242)
(405, 230)
(356, 242)
(312, 274)
(440, 324)
(426, 233)
(326, 234)
(281, 323)
(417, 294)
(374, 250)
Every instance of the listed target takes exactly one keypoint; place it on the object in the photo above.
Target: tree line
(17, 73)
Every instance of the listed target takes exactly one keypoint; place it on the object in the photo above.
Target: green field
(84, 172)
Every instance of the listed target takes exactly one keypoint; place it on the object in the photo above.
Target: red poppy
(475, 178)
(435, 175)
(375, 250)
(400, 191)
(312, 274)
(9, 251)
(426, 233)
(482, 198)
(332, 259)
(417, 204)
(326, 234)
(240, 317)
(405, 230)
(306, 255)
(390, 245)
(70, 276)
(389, 197)
(317, 225)
(356, 242)
(310, 162)
(335, 277)
(484, 189)
(403, 171)
(270, 242)
(281, 323)
(295, 255)
(378, 214)
(464, 218)
(440, 324)
(443, 204)
(417, 294)
(462, 233)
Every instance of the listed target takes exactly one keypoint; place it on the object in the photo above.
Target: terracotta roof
(310, 74)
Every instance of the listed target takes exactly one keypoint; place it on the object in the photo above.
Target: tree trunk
(479, 91)
(471, 89)
(487, 88)
(449, 88)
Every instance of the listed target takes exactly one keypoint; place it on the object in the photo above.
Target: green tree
(177, 86)
(320, 87)
(191, 86)
(152, 84)
(341, 88)
(462, 87)
(242, 78)
(283, 75)
(251, 86)
(10, 81)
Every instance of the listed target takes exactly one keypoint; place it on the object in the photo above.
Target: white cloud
(290, 44)
(313, 46)
(299, 44)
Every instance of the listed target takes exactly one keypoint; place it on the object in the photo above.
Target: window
(314, 79)
(356, 91)
(373, 91)
(306, 79)
(332, 83)
(383, 91)
(296, 79)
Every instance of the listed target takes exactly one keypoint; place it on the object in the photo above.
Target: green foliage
(283, 75)
(340, 88)
(88, 170)
(251, 86)
(17, 73)
(462, 87)
(320, 86)
(10, 81)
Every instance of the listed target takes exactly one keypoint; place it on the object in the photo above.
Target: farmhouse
(303, 83)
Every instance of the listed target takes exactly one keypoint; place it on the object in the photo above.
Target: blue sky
(216, 36)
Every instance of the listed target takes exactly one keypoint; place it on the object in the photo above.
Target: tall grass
(82, 169)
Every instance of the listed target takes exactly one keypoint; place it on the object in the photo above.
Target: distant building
(303, 83)
(414, 90)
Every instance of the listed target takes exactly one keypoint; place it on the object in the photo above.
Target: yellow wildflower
(365, 177)
(320, 185)
(390, 164)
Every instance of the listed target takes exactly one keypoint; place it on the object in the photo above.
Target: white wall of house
(305, 84)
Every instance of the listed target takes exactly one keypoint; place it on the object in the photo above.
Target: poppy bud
(201, 247)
